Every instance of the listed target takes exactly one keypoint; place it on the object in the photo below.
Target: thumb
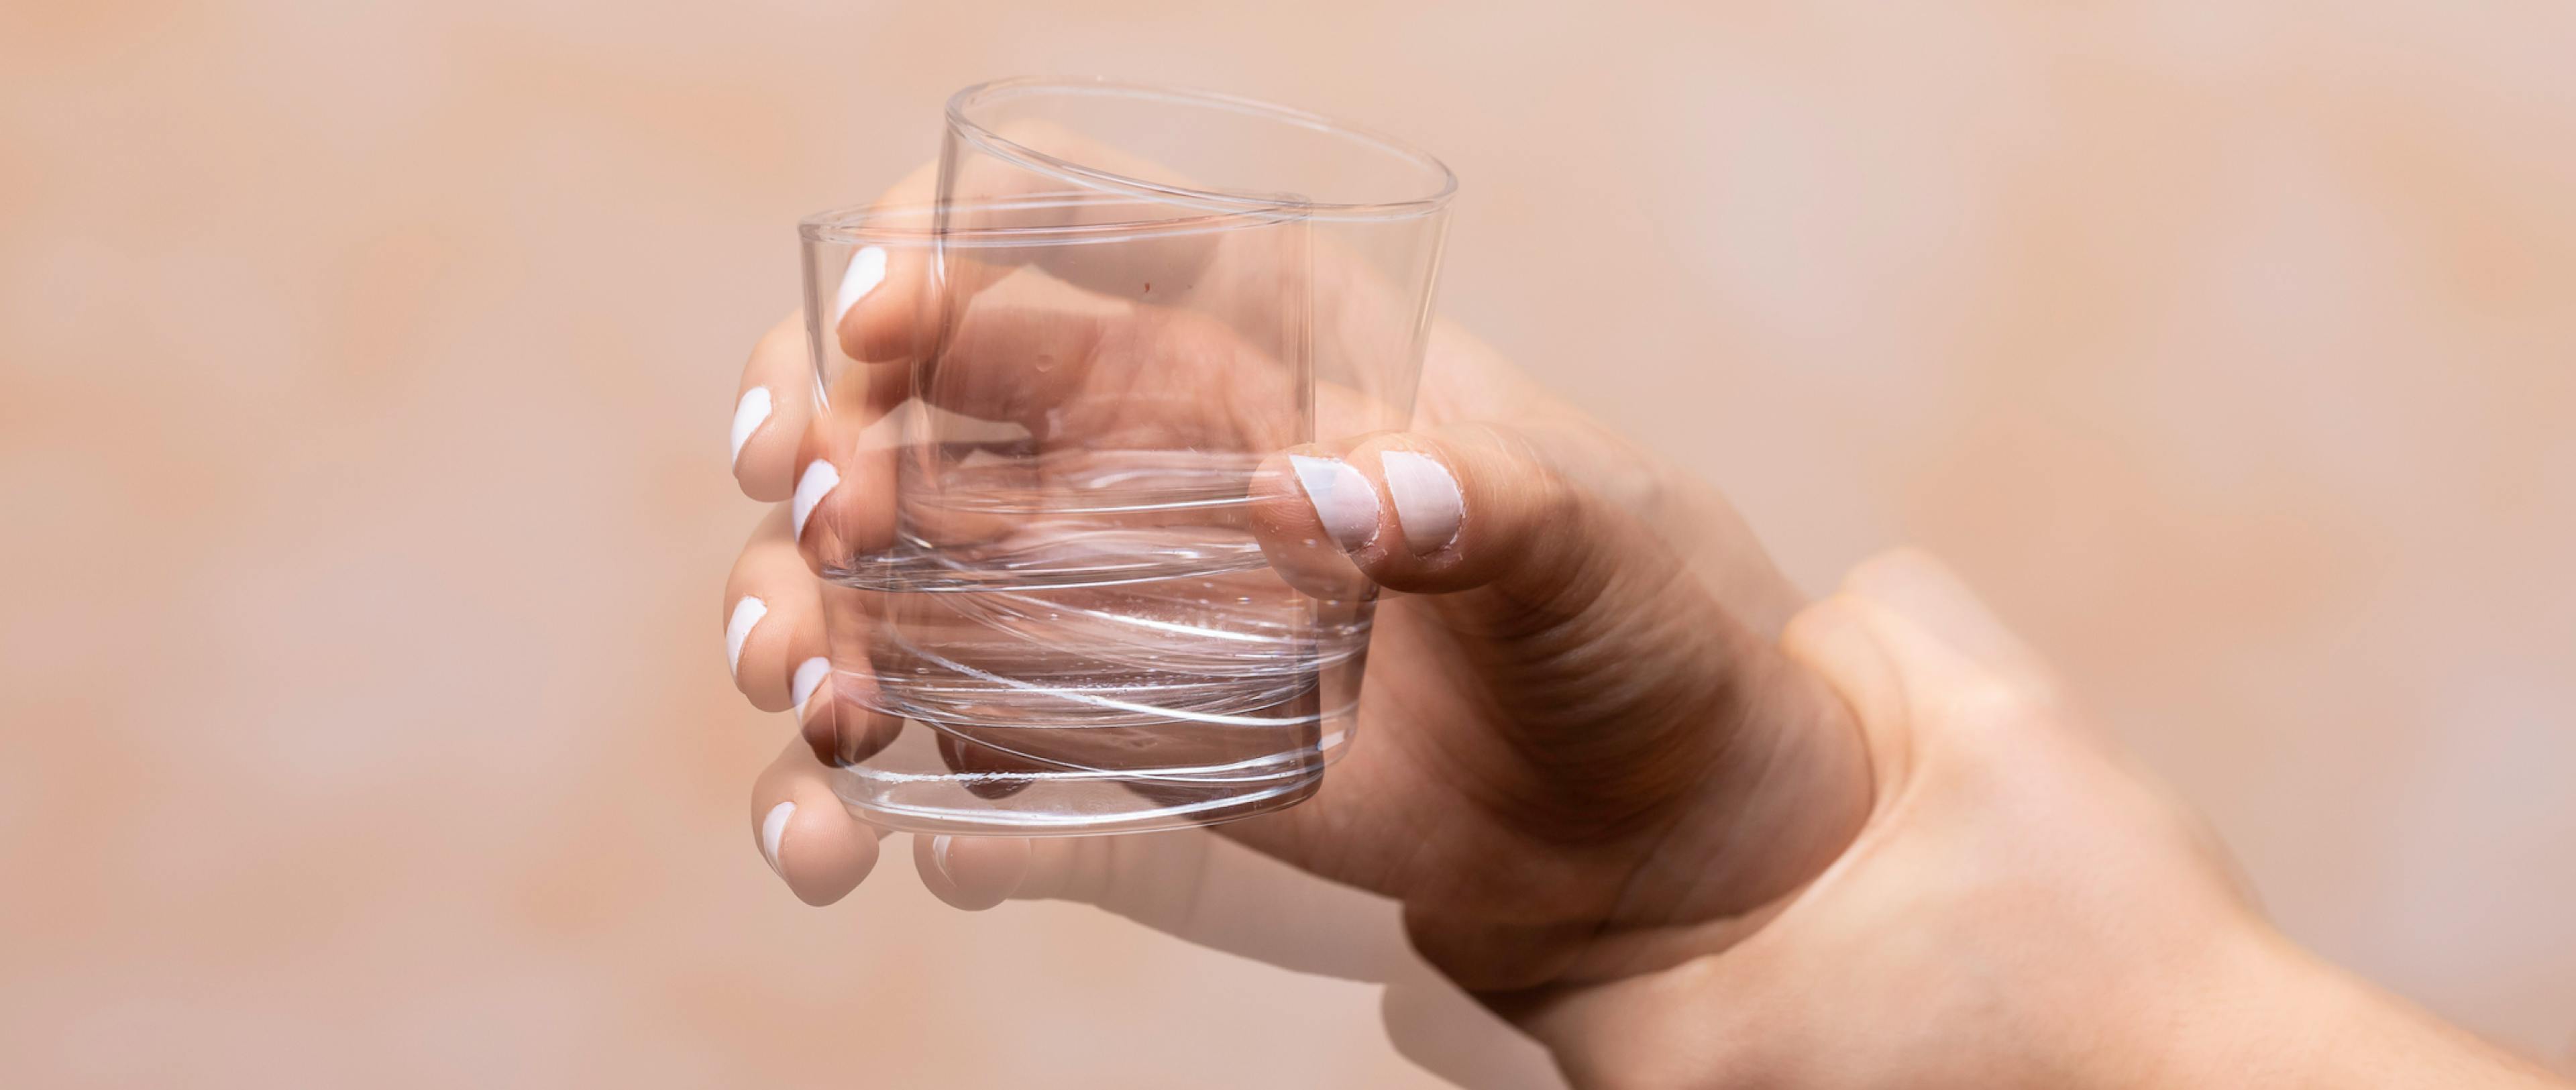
(1621, 677)
(1439, 513)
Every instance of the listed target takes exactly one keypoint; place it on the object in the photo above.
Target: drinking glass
(1053, 397)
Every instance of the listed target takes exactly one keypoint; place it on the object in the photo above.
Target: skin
(1630, 791)
(1500, 729)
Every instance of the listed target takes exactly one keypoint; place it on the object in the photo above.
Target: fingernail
(939, 857)
(866, 271)
(748, 415)
(746, 613)
(819, 481)
(809, 674)
(772, 828)
(1427, 503)
(1343, 499)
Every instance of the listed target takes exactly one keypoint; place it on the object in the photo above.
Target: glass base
(910, 788)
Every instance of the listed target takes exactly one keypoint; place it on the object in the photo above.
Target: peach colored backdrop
(364, 374)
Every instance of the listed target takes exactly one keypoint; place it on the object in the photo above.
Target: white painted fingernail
(772, 828)
(866, 271)
(748, 415)
(746, 613)
(1426, 497)
(1343, 499)
(809, 674)
(819, 481)
(939, 857)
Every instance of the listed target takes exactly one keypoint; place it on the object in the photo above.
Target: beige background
(364, 374)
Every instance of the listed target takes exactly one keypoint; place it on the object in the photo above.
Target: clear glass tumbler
(1052, 398)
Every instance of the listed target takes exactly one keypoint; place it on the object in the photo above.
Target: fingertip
(810, 674)
(769, 412)
(750, 412)
(1291, 526)
(772, 618)
(816, 481)
(1442, 513)
(1430, 508)
(866, 270)
(877, 317)
(840, 721)
(772, 639)
(1343, 499)
(741, 620)
(815, 846)
(971, 872)
(773, 832)
(843, 503)
(1390, 510)
(761, 474)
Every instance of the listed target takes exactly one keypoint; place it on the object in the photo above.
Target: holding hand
(1625, 788)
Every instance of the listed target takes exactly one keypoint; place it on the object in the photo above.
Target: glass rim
(1070, 171)
(920, 222)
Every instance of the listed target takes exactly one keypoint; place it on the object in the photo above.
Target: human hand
(1567, 539)
(2025, 907)
(2018, 906)
(1581, 685)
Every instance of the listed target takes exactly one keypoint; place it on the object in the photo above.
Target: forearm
(2309, 1023)
(2255, 1012)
